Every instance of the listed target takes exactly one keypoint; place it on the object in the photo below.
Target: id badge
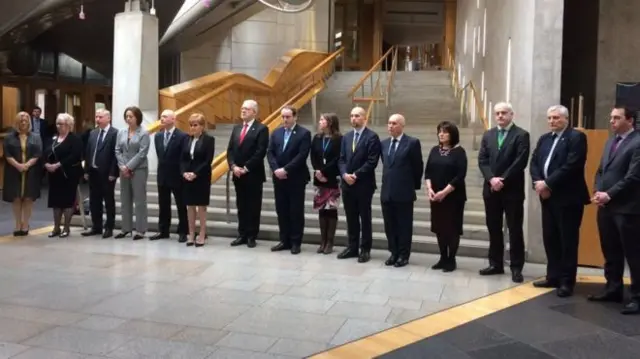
(324, 161)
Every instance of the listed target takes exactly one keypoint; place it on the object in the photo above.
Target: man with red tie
(245, 155)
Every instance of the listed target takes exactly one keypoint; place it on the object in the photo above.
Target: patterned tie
(167, 136)
(287, 135)
(356, 137)
(392, 150)
(501, 133)
(244, 132)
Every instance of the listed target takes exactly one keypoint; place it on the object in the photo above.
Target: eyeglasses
(194, 125)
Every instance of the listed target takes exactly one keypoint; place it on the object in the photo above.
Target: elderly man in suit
(101, 170)
(287, 156)
(168, 144)
(245, 156)
(401, 177)
(359, 155)
(503, 156)
(557, 173)
(617, 195)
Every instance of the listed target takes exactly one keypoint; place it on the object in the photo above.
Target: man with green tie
(503, 157)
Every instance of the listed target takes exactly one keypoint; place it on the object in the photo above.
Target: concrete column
(545, 91)
(135, 67)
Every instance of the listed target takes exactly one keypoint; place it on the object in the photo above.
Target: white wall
(535, 30)
(254, 45)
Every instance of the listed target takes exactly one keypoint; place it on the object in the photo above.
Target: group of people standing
(344, 166)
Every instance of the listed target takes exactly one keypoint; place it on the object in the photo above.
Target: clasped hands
(496, 184)
(51, 167)
(125, 172)
(238, 171)
(320, 176)
(189, 176)
(541, 189)
(280, 173)
(350, 178)
(436, 196)
(600, 198)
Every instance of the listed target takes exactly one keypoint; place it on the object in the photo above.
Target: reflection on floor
(533, 324)
(91, 298)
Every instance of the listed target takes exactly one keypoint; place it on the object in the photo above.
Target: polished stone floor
(95, 298)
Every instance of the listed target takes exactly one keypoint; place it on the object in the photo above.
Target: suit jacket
(105, 153)
(362, 161)
(132, 152)
(293, 157)
(324, 158)
(402, 174)
(619, 175)
(250, 153)
(44, 131)
(508, 162)
(168, 173)
(566, 168)
(200, 162)
(69, 154)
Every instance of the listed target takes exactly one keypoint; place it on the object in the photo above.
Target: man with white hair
(401, 177)
(503, 156)
(245, 154)
(168, 144)
(557, 172)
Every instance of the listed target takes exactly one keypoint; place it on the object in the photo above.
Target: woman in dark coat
(64, 166)
(22, 178)
(444, 176)
(325, 151)
(195, 166)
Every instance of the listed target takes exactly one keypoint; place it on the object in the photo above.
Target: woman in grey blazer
(132, 146)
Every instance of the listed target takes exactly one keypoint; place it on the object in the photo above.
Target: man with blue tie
(557, 172)
(359, 155)
(401, 177)
(287, 156)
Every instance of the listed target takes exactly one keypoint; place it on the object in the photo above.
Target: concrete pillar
(135, 67)
(545, 91)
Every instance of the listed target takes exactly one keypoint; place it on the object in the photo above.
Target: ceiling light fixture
(81, 15)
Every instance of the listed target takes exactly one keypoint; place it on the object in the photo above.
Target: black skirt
(447, 217)
(197, 192)
(63, 187)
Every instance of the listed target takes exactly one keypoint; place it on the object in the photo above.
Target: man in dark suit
(101, 170)
(358, 160)
(557, 173)
(39, 125)
(245, 155)
(503, 156)
(617, 186)
(168, 143)
(401, 177)
(287, 156)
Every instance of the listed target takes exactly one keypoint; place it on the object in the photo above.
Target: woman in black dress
(64, 166)
(325, 151)
(22, 178)
(444, 176)
(195, 166)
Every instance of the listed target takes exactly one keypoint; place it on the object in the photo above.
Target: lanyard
(325, 145)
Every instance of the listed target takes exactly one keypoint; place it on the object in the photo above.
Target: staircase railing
(473, 106)
(380, 86)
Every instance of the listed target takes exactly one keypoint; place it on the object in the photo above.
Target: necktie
(244, 132)
(100, 138)
(287, 135)
(392, 149)
(614, 146)
(501, 136)
(167, 136)
(356, 137)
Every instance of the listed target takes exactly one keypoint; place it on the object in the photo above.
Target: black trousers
(561, 237)
(496, 207)
(290, 210)
(620, 239)
(164, 199)
(101, 190)
(249, 205)
(398, 227)
(357, 207)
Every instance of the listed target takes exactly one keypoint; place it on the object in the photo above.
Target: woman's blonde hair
(198, 118)
(68, 119)
(19, 116)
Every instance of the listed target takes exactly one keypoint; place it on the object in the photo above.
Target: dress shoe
(280, 247)
(138, 236)
(238, 242)
(401, 262)
(545, 283)
(54, 233)
(122, 235)
(364, 257)
(516, 276)
(605, 296)
(65, 233)
(182, 238)
(158, 236)
(564, 291)
(450, 265)
(295, 249)
(440, 264)
(347, 253)
(491, 270)
(633, 307)
(91, 232)
(391, 261)
(251, 242)
(108, 233)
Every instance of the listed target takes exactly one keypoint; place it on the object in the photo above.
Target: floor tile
(596, 346)
(99, 322)
(474, 336)
(7, 350)
(42, 353)
(306, 305)
(297, 348)
(141, 328)
(357, 328)
(605, 315)
(15, 331)
(257, 343)
(510, 350)
(199, 335)
(228, 353)
(434, 349)
(361, 311)
(79, 340)
(40, 315)
(157, 348)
